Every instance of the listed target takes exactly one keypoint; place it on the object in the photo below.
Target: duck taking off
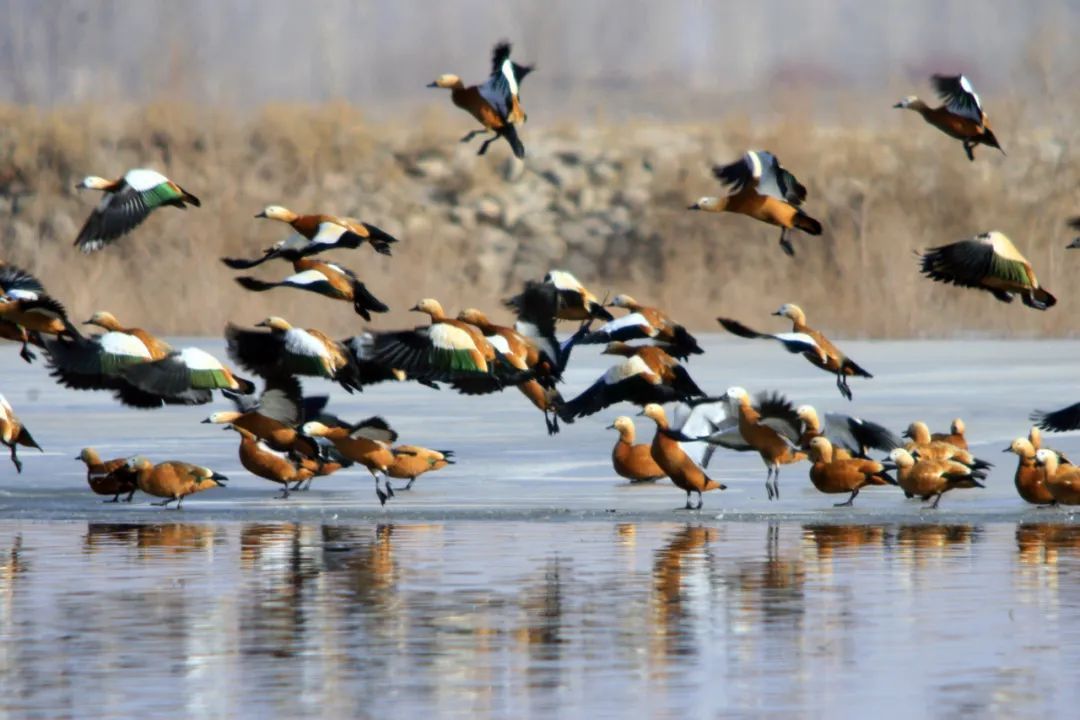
(127, 202)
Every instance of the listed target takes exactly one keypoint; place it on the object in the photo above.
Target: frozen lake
(528, 580)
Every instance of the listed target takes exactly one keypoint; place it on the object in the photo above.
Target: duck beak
(641, 414)
(1073, 245)
(432, 84)
(414, 308)
(609, 427)
(207, 421)
(87, 322)
(899, 105)
(261, 323)
(261, 214)
(906, 433)
(1008, 449)
(777, 313)
(695, 206)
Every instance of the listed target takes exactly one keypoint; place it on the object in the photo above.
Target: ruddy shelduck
(1029, 478)
(13, 433)
(810, 343)
(127, 202)
(929, 478)
(188, 374)
(571, 299)
(315, 234)
(843, 475)
(633, 462)
(18, 284)
(673, 460)
(771, 427)
(412, 461)
(955, 436)
(259, 460)
(645, 323)
(1063, 481)
(173, 480)
(367, 442)
(326, 279)
(288, 350)
(495, 103)
(111, 477)
(1063, 420)
(275, 416)
(764, 190)
(921, 442)
(849, 436)
(961, 116)
(988, 262)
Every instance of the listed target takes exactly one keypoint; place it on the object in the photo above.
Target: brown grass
(472, 228)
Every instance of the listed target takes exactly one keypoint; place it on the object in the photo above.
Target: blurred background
(323, 108)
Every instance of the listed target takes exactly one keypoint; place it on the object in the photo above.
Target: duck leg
(474, 133)
(116, 498)
(776, 482)
(15, 459)
(25, 353)
(785, 244)
(768, 481)
(842, 386)
(968, 148)
(937, 499)
(484, 146)
(378, 490)
(164, 502)
(700, 501)
(688, 505)
(284, 492)
(850, 501)
(130, 495)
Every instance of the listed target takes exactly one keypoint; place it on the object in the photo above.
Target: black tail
(988, 138)
(363, 301)
(807, 224)
(25, 438)
(886, 477)
(851, 365)
(685, 344)
(737, 328)
(509, 132)
(240, 264)
(254, 284)
(379, 239)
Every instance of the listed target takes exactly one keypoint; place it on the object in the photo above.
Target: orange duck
(840, 475)
(173, 480)
(127, 202)
(326, 279)
(112, 477)
(673, 460)
(961, 116)
(412, 461)
(633, 462)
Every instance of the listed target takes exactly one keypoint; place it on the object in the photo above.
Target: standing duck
(643, 322)
(921, 442)
(771, 427)
(1029, 478)
(764, 190)
(127, 202)
(961, 116)
(495, 104)
(259, 460)
(955, 436)
(831, 474)
(275, 416)
(987, 262)
(412, 461)
(810, 343)
(316, 234)
(1063, 481)
(931, 478)
(633, 462)
(326, 279)
(673, 460)
(173, 480)
(13, 433)
(112, 477)
(367, 442)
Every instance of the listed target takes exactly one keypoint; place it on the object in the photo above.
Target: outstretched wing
(1067, 418)
(970, 263)
(780, 414)
(959, 96)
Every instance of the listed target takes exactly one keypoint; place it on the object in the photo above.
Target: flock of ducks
(290, 439)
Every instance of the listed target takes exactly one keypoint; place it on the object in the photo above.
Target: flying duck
(1063, 481)
(987, 262)
(771, 427)
(633, 462)
(810, 343)
(127, 202)
(173, 480)
(831, 474)
(315, 234)
(286, 350)
(961, 116)
(673, 460)
(930, 478)
(183, 371)
(367, 442)
(645, 323)
(412, 461)
(573, 301)
(40, 314)
(112, 477)
(764, 190)
(327, 279)
(19, 284)
(496, 103)
(13, 433)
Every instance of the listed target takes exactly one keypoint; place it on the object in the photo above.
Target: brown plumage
(17, 283)
(13, 433)
(955, 436)
(933, 478)
(989, 262)
(258, 459)
(673, 460)
(764, 190)
(1029, 478)
(644, 322)
(323, 232)
(633, 462)
(961, 116)
(663, 365)
(772, 431)
(929, 449)
(326, 279)
(112, 477)
(107, 321)
(173, 480)
(367, 443)
(42, 315)
(839, 475)
(412, 461)
(1063, 481)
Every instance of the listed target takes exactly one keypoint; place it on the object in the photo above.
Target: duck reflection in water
(829, 540)
(1044, 543)
(677, 564)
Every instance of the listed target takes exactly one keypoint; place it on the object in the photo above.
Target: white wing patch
(624, 370)
(1003, 246)
(118, 343)
(499, 343)
(966, 86)
(328, 234)
(563, 280)
(797, 342)
(6, 411)
(755, 164)
(307, 277)
(141, 180)
(294, 241)
(196, 359)
(508, 73)
(18, 294)
(631, 320)
(301, 342)
(448, 337)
